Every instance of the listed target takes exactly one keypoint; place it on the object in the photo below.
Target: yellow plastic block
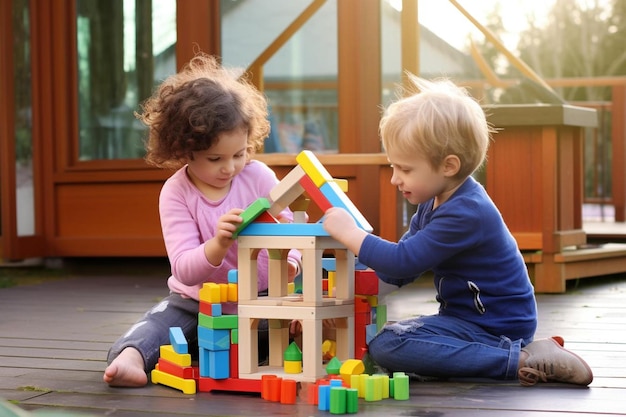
(168, 353)
(210, 292)
(351, 367)
(329, 349)
(223, 293)
(232, 292)
(372, 300)
(314, 168)
(343, 184)
(291, 287)
(331, 283)
(292, 367)
(187, 386)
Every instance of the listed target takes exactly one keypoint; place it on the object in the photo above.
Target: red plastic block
(185, 372)
(230, 384)
(365, 283)
(314, 192)
(234, 361)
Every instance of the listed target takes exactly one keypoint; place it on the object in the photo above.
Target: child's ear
(451, 165)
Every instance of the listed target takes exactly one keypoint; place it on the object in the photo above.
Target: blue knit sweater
(479, 272)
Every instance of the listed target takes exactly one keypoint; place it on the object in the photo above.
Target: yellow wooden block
(314, 168)
(292, 367)
(232, 292)
(187, 386)
(210, 292)
(343, 184)
(351, 367)
(168, 353)
(286, 191)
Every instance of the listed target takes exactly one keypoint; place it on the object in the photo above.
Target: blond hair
(436, 119)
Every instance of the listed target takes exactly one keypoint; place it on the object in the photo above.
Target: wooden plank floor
(54, 336)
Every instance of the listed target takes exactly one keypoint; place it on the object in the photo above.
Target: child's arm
(341, 225)
(215, 249)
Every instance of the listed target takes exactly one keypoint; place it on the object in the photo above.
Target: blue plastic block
(219, 364)
(214, 364)
(284, 229)
(323, 398)
(233, 276)
(178, 340)
(338, 198)
(216, 310)
(213, 339)
(370, 332)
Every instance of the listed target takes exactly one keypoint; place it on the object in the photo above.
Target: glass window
(300, 79)
(125, 48)
(24, 190)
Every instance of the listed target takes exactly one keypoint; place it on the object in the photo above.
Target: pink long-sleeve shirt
(188, 219)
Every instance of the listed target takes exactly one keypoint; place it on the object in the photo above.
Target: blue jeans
(445, 347)
(152, 330)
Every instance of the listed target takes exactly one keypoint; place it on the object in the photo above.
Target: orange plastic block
(288, 389)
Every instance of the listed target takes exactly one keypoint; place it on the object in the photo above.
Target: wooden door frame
(12, 246)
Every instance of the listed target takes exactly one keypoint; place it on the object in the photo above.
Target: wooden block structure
(228, 344)
(312, 307)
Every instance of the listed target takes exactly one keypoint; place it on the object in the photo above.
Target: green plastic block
(400, 386)
(226, 321)
(337, 400)
(352, 401)
(292, 353)
(253, 211)
(333, 366)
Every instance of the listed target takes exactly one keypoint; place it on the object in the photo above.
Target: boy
(435, 139)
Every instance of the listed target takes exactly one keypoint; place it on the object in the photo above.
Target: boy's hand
(337, 221)
(341, 225)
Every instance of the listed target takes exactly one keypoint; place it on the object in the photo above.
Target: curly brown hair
(189, 110)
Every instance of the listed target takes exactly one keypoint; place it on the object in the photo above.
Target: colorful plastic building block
(187, 386)
(178, 340)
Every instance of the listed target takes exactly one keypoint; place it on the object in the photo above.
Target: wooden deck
(55, 332)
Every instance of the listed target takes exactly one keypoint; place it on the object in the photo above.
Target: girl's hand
(226, 226)
(293, 269)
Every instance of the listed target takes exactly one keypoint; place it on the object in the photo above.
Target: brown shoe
(549, 361)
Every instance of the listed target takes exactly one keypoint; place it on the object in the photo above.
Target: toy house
(260, 232)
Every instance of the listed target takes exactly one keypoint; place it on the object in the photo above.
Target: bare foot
(126, 370)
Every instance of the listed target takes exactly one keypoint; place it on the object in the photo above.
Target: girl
(206, 123)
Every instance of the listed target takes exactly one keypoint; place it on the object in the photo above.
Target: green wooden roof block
(254, 210)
